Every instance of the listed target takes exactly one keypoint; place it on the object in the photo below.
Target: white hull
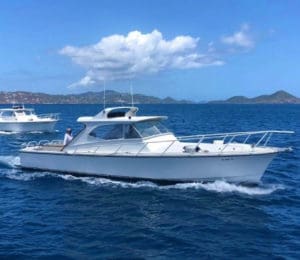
(233, 168)
(42, 126)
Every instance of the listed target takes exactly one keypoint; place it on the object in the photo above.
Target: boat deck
(50, 148)
(58, 148)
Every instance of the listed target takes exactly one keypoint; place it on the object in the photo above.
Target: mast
(131, 93)
(104, 94)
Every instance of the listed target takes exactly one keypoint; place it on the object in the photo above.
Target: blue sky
(197, 50)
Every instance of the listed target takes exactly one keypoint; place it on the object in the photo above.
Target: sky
(197, 50)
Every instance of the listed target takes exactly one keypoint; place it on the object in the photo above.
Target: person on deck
(68, 136)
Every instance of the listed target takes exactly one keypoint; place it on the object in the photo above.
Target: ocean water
(45, 214)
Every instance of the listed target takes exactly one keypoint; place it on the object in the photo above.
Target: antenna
(14, 98)
(131, 93)
(104, 94)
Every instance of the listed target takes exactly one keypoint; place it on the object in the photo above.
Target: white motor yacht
(118, 143)
(21, 119)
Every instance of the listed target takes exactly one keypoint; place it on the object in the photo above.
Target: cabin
(116, 128)
(16, 113)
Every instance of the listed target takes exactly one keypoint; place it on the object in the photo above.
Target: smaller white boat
(119, 144)
(21, 119)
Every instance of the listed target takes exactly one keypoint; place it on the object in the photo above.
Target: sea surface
(48, 215)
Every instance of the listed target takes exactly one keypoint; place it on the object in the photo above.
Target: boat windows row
(10, 113)
(129, 131)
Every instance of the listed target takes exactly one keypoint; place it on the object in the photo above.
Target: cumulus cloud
(241, 38)
(119, 57)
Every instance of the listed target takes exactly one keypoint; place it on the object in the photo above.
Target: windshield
(28, 112)
(150, 128)
(7, 114)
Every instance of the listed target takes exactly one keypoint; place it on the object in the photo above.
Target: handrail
(265, 134)
(42, 143)
(236, 134)
(142, 143)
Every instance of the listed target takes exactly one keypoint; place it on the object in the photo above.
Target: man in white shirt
(68, 136)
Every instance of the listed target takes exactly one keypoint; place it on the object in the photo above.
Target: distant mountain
(111, 97)
(279, 97)
(115, 97)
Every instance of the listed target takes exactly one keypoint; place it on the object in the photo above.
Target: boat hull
(233, 168)
(46, 126)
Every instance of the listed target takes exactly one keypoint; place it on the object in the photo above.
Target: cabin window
(108, 132)
(115, 131)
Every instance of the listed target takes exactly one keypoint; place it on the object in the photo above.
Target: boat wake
(30, 132)
(17, 175)
(7, 133)
(42, 132)
(216, 186)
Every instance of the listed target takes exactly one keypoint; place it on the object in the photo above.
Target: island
(111, 97)
(115, 97)
(279, 97)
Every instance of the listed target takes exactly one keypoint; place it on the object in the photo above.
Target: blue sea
(48, 215)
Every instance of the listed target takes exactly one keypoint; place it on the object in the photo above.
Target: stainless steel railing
(263, 138)
(41, 143)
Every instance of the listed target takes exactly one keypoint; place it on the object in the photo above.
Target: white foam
(10, 161)
(14, 175)
(7, 133)
(30, 132)
(105, 181)
(225, 187)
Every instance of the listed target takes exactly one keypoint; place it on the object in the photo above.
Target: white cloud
(85, 81)
(118, 57)
(242, 38)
